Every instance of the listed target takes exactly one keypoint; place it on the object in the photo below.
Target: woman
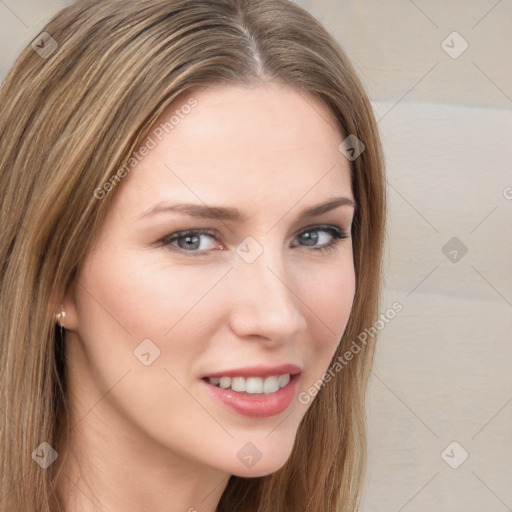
(193, 217)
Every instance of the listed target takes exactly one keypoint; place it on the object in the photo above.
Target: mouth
(255, 392)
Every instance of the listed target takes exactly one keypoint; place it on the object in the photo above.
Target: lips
(256, 391)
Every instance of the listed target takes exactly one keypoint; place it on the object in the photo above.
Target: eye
(189, 242)
(334, 232)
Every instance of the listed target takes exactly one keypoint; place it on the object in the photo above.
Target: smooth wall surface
(440, 398)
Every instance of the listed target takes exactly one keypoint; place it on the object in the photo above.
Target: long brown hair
(69, 119)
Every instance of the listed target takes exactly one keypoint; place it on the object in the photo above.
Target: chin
(261, 468)
(255, 473)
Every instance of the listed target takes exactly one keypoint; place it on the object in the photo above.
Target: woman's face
(162, 323)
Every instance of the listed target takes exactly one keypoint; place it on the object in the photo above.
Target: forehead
(260, 144)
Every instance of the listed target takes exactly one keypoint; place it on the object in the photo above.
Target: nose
(265, 303)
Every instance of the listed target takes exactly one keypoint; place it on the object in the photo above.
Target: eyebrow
(233, 214)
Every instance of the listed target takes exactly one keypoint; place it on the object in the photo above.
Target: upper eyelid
(319, 227)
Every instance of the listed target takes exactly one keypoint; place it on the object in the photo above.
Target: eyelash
(336, 233)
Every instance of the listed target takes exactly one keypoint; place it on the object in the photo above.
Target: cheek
(122, 303)
(328, 294)
(128, 298)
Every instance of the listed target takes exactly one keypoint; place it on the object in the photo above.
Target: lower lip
(256, 405)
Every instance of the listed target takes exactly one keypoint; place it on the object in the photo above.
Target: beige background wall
(442, 371)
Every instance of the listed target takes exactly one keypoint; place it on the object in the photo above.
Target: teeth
(238, 384)
(283, 380)
(271, 384)
(225, 382)
(251, 385)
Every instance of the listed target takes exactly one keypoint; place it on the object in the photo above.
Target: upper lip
(258, 371)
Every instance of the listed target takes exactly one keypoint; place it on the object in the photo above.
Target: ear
(65, 301)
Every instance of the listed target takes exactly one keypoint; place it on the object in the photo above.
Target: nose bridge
(264, 301)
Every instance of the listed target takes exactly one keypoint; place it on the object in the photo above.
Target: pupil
(189, 239)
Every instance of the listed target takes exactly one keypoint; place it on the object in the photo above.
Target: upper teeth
(251, 384)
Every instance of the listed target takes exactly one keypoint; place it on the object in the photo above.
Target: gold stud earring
(61, 316)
